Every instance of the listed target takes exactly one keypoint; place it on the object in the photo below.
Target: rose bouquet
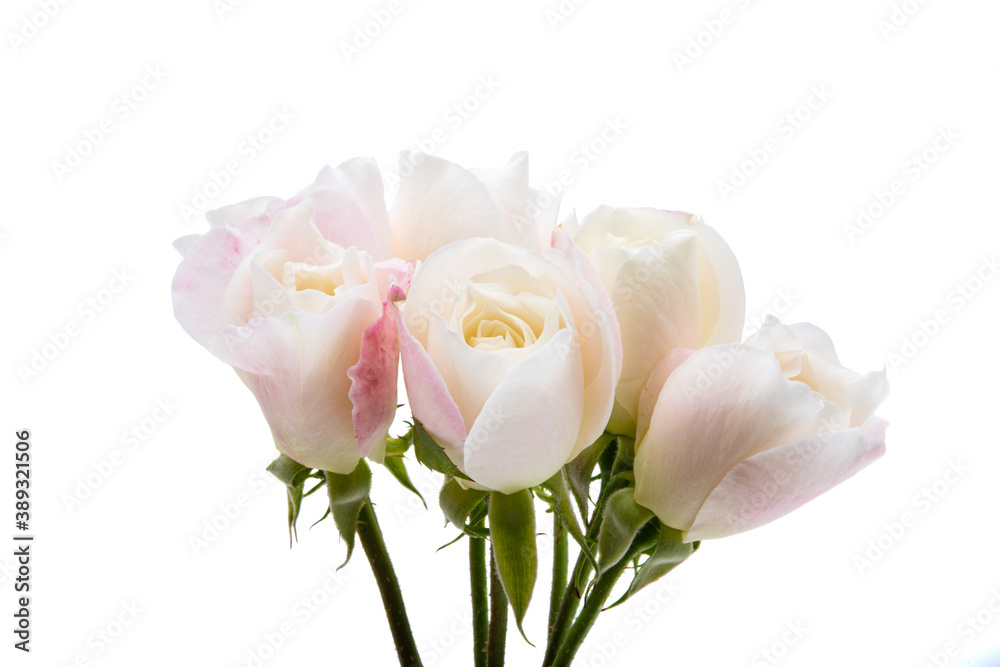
(591, 367)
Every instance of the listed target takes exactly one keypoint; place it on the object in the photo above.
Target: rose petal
(297, 367)
(439, 203)
(430, 401)
(657, 297)
(199, 286)
(235, 214)
(373, 384)
(771, 484)
(529, 215)
(349, 207)
(529, 426)
(721, 406)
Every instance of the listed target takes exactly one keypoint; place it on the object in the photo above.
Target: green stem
(497, 644)
(595, 603)
(560, 563)
(480, 601)
(385, 576)
(581, 578)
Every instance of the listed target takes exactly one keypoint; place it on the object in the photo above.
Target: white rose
(674, 284)
(510, 359)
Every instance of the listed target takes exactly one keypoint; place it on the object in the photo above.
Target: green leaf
(294, 506)
(348, 493)
(512, 527)
(623, 519)
(430, 454)
(395, 465)
(458, 503)
(563, 507)
(670, 551)
(289, 471)
(580, 472)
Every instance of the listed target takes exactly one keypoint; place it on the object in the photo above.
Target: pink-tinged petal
(373, 384)
(721, 406)
(439, 203)
(200, 284)
(235, 215)
(185, 243)
(529, 426)
(771, 484)
(297, 367)
(349, 207)
(600, 341)
(392, 272)
(654, 385)
(430, 402)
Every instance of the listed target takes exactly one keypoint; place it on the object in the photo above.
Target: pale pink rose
(674, 284)
(510, 358)
(292, 294)
(440, 202)
(731, 437)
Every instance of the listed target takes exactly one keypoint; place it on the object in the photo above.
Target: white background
(686, 127)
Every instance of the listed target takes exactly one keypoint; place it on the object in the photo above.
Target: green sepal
(430, 454)
(562, 505)
(512, 527)
(458, 504)
(348, 493)
(295, 495)
(580, 472)
(289, 471)
(669, 552)
(606, 461)
(624, 456)
(623, 518)
(394, 464)
(399, 446)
